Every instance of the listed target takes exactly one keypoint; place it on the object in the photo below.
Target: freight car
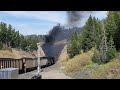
(25, 64)
(47, 61)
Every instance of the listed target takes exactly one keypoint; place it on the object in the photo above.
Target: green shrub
(111, 51)
(96, 57)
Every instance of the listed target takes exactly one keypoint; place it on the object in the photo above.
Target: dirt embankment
(15, 53)
(63, 55)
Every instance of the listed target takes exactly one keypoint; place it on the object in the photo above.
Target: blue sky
(40, 22)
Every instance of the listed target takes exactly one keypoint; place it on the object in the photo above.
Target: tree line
(10, 38)
(103, 35)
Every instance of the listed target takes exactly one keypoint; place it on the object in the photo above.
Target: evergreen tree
(110, 25)
(9, 35)
(103, 45)
(98, 33)
(96, 57)
(3, 33)
(111, 52)
(88, 35)
(117, 32)
(73, 47)
(113, 27)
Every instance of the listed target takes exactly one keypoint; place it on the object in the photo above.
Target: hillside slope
(63, 55)
(81, 67)
(14, 53)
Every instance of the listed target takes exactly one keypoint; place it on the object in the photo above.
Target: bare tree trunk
(103, 46)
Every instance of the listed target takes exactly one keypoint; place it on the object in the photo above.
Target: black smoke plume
(74, 17)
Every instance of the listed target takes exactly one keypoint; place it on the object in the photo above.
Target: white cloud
(27, 29)
(52, 16)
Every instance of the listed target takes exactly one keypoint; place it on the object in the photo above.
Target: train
(26, 64)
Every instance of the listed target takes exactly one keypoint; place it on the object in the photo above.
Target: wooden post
(15, 63)
(19, 63)
(4, 64)
(24, 65)
(8, 63)
(1, 64)
(38, 45)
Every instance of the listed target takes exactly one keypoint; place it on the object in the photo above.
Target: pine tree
(88, 35)
(17, 39)
(73, 47)
(113, 27)
(103, 45)
(117, 32)
(110, 25)
(111, 52)
(3, 33)
(9, 35)
(98, 34)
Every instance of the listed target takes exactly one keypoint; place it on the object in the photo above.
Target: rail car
(26, 64)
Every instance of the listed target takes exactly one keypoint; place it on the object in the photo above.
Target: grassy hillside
(110, 70)
(14, 53)
(82, 67)
(76, 63)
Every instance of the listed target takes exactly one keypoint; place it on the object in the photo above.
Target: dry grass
(6, 54)
(14, 54)
(109, 70)
(63, 62)
(79, 61)
(63, 55)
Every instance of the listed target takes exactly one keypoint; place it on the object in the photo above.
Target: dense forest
(10, 38)
(103, 35)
